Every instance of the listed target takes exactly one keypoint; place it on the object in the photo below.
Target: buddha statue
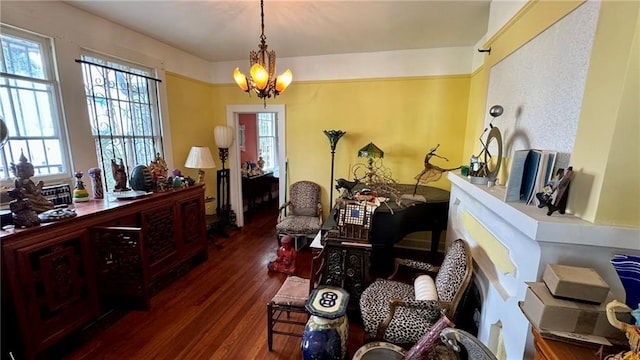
(31, 192)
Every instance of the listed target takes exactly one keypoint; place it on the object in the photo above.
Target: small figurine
(22, 213)
(80, 194)
(556, 193)
(119, 175)
(632, 332)
(285, 261)
(158, 168)
(260, 163)
(31, 192)
(347, 186)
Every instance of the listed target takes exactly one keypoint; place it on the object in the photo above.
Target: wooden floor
(216, 311)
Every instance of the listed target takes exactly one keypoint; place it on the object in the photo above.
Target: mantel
(512, 243)
(534, 223)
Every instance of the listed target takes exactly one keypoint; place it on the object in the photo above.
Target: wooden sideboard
(548, 349)
(59, 276)
(257, 187)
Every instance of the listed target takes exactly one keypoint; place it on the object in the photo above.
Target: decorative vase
(96, 182)
(326, 334)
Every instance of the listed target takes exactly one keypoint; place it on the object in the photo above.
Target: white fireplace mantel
(511, 244)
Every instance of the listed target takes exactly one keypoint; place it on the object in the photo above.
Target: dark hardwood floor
(216, 311)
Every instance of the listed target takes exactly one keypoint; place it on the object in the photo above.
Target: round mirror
(493, 154)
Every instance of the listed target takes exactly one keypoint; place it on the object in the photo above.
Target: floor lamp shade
(224, 136)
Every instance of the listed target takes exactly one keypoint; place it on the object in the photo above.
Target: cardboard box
(578, 283)
(549, 313)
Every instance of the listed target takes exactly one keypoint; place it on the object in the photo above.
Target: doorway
(233, 115)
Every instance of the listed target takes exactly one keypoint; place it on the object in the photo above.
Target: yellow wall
(607, 150)
(606, 156)
(191, 112)
(404, 117)
(407, 116)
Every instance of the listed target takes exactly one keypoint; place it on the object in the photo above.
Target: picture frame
(241, 138)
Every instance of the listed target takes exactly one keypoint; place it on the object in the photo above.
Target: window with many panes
(30, 105)
(267, 140)
(122, 99)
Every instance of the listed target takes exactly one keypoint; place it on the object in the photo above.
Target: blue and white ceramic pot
(628, 269)
(325, 339)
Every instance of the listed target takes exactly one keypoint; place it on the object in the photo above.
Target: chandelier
(262, 79)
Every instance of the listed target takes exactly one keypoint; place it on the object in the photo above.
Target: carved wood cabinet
(58, 277)
(348, 266)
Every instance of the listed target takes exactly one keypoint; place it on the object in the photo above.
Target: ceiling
(227, 30)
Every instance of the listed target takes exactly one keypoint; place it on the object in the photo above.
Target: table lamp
(200, 158)
(370, 151)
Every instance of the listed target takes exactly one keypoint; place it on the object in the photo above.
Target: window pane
(22, 57)
(124, 114)
(29, 104)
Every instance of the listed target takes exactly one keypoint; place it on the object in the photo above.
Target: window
(267, 140)
(30, 105)
(123, 111)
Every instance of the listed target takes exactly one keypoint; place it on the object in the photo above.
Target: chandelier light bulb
(240, 79)
(262, 80)
(283, 81)
(260, 76)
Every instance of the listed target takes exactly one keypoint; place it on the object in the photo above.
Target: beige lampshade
(200, 158)
(224, 136)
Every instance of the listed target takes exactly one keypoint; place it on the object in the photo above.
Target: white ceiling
(218, 30)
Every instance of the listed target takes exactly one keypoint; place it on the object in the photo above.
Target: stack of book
(531, 170)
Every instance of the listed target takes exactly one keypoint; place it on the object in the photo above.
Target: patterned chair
(401, 313)
(303, 211)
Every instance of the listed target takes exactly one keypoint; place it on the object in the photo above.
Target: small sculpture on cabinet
(119, 175)
(31, 192)
(22, 213)
(80, 193)
(285, 261)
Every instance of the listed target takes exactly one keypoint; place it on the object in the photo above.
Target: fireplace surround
(511, 244)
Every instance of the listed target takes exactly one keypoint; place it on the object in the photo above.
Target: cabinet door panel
(160, 238)
(193, 227)
(59, 287)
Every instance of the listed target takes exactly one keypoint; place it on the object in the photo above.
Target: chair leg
(269, 326)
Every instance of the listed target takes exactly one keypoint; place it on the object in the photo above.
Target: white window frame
(157, 124)
(274, 137)
(55, 112)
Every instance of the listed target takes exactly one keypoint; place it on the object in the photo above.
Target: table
(257, 187)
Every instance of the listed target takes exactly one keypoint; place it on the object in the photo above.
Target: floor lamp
(333, 136)
(224, 139)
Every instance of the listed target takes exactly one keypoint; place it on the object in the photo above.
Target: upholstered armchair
(302, 214)
(401, 313)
